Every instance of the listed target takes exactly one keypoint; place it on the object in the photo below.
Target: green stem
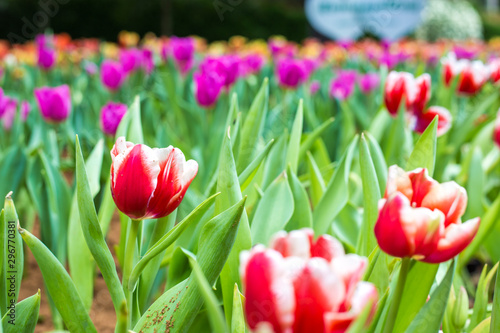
(128, 261)
(396, 299)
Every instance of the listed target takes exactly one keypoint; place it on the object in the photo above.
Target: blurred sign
(349, 19)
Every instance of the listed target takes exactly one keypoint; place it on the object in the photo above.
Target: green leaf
(60, 286)
(130, 126)
(247, 175)
(484, 327)
(359, 324)
(371, 197)
(273, 212)
(424, 153)
(14, 256)
(93, 233)
(417, 288)
(479, 311)
(215, 314)
(430, 317)
(238, 320)
(317, 188)
(169, 238)
(252, 128)
(228, 185)
(80, 260)
(378, 162)
(336, 195)
(475, 186)
(292, 155)
(312, 137)
(25, 318)
(12, 168)
(495, 312)
(176, 309)
(302, 215)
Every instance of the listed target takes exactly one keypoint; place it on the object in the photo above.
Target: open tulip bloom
(420, 218)
(301, 285)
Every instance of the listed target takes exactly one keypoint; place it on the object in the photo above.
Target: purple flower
(131, 59)
(368, 82)
(9, 112)
(314, 87)
(147, 61)
(111, 115)
(90, 68)
(227, 67)
(54, 103)
(112, 74)
(183, 53)
(253, 63)
(46, 54)
(343, 86)
(208, 86)
(291, 72)
(25, 110)
(464, 53)
(389, 60)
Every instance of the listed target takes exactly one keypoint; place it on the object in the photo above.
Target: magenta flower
(183, 53)
(227, 67)
(369, 82)
(90, 68)
(343, 86)
(208, 86)
(314, 87)
(46, 54)
(253, 63)
(291, 73)
(131, 59)
(8, 112)
(25, 110)
(147, 61)
(54, 103)
(464, 53)
(111, 115)
(112, 74)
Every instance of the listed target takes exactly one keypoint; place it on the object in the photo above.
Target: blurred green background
(212, 19)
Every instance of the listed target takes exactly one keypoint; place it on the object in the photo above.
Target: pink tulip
(111, 115)
(369, 82)
(54, 103)
(131, 59)
(421, 218)
(291, 73)
(496, 133)
(301, 285)
(149, 183)
(208, 86)
(46, 54)
(183, 50)
(25, 110)
(112, 74)
(9, 106)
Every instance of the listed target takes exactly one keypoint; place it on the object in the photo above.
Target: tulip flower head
(291, 73)
(183, 53)
(314, 87)
(472, 78)
(208, 86)
(423, 93)
(146, 182)
(112, 74)
(111, 115)
(54, 103)
(423, 119)
(25, 110)
(301, 285)
(46, 54)
(494, 69)
(9, 106)
(131, 59)
(421, 218)
(399, 86)
(368, 82)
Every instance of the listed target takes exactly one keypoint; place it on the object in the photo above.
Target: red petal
(421, 184)
(450, 198)
(456, 238)
(134, 172)
(295, 243)
(424, 119)
(350, 268)
(268, 290)
(327, 247)
(317, 291)
(398, 181)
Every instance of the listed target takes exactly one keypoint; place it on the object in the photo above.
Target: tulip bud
(46, 54)
(149, 183)
(112, 74)
(369, 82)
(472, 78)
(111, 115)
(399, 86)
(460, 312)
(208, 86)
(54, 103)
(496, 132)
(183, 53)
(421, 120)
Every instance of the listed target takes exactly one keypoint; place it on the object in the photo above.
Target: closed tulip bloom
(421, 218)
(25, 110)
(131, 59)
(423, 119)
(46, 54)
(301, 285)
(291, 73)
(54, 103)
(451, 67)
(496, 132)
(149, 182)
(208, 86)
(368, 82)
(111, 115)
(9, 112)
(183, 52)
(112, 74)
(423, 93)
(399, 86)
(494, 69)
(472, 78)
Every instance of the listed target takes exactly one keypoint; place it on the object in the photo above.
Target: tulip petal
(327, 247)
(318, 290)
(421, 184)
(134, 177)
(450, 198)
(296, 243)
(456, 238)
(350, 268)
(398, 181)
(268, 289)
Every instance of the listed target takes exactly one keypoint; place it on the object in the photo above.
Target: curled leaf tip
(9, 195)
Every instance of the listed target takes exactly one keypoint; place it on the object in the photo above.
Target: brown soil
(102, 312)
